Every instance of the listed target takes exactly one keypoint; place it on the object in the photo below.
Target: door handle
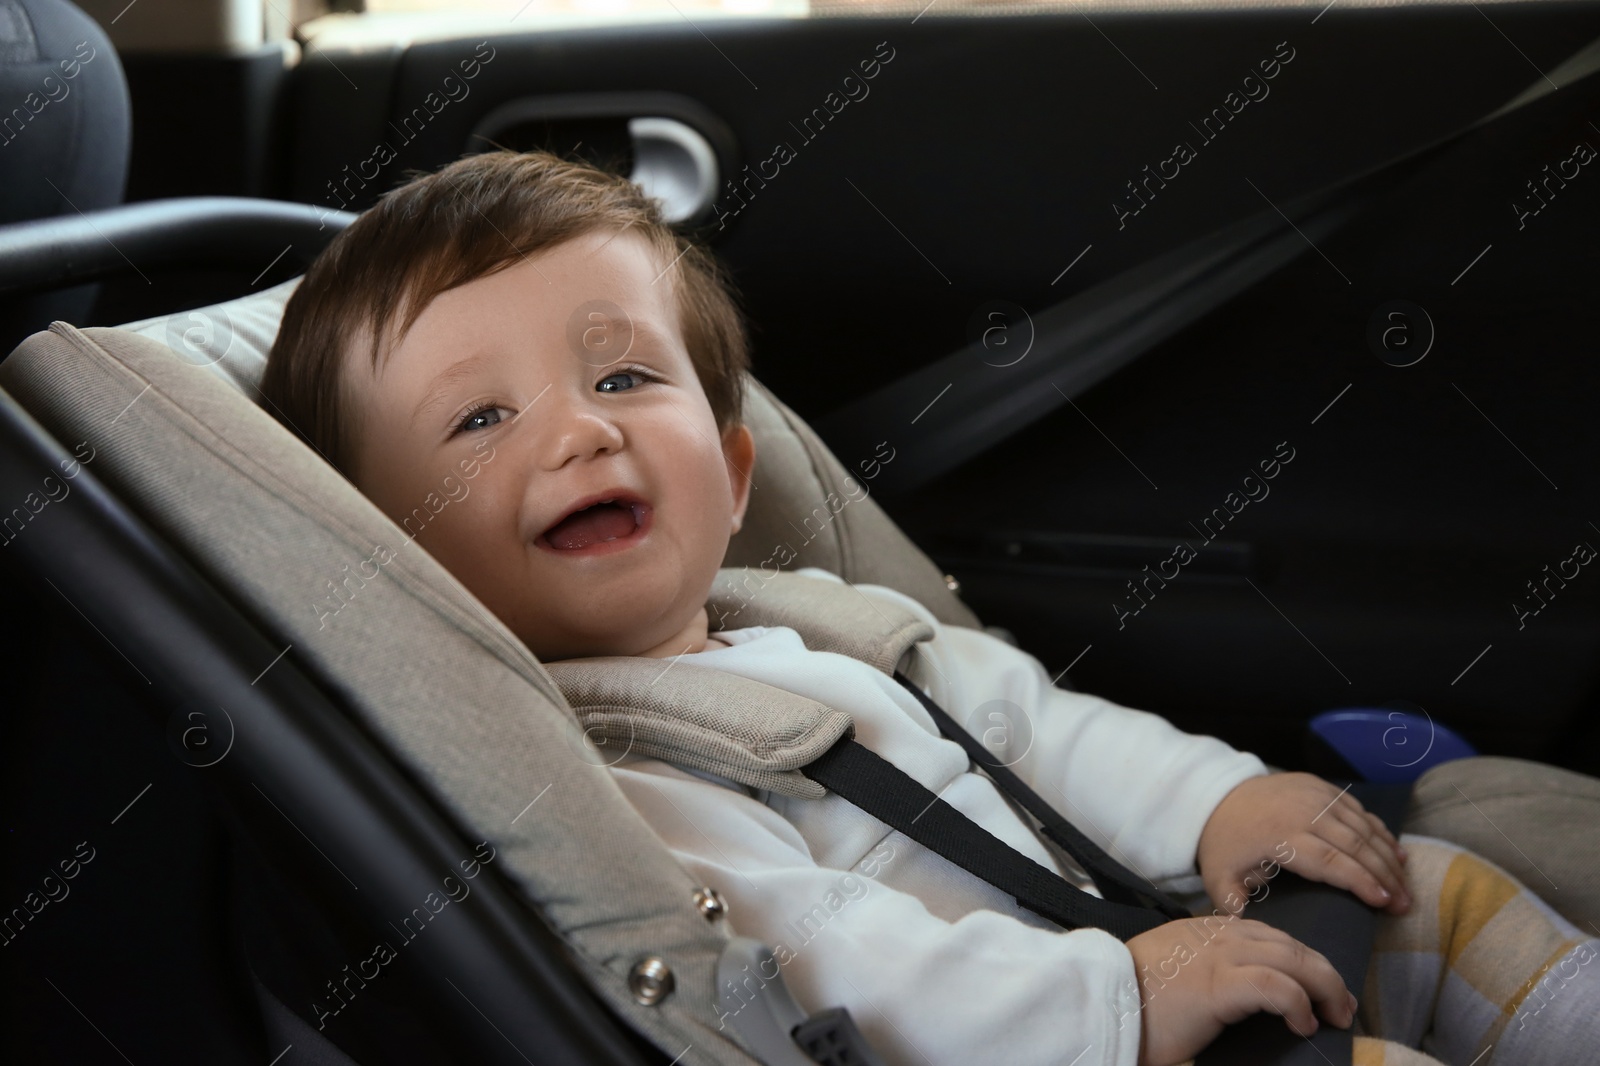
(675, 164)
(679, 147)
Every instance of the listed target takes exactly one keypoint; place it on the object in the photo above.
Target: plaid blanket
(1480, 971)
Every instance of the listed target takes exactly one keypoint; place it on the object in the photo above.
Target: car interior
(1059, 282)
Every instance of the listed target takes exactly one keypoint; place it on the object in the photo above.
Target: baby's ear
(739, 449)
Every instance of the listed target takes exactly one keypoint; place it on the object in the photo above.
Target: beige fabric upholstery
(229, 339)
(459, 702)
(1539, 823)
(807, 507)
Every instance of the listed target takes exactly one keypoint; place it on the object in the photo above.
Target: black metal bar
(156, 235)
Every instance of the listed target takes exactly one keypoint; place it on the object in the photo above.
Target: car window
(418, 20)
(640, 10)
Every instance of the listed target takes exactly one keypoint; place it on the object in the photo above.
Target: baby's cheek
(454, 488)
(481, 499)
(467, 526)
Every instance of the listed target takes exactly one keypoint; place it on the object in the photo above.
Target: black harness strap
(1115, 881)
(889, 794)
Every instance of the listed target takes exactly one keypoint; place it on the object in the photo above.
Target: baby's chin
(675, 638)
(571, 652)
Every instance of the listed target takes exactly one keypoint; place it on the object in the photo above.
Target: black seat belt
(856, 773)
(1078, 342)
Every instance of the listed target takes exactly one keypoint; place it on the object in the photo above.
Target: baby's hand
(1198, 975)
(1330, 837)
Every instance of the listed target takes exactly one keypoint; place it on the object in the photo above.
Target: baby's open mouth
(614, 518)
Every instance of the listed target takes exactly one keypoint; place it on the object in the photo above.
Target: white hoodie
(935, 965)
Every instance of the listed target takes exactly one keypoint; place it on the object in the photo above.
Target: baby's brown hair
(474, 217)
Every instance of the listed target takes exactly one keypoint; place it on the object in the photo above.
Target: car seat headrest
(807, 508)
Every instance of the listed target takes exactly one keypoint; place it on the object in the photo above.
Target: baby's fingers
(1383, 831)
(1325, 861)
(1355, 834)
(1277, 993)
(1264, 988)
(1354, 807)
(1290, 979)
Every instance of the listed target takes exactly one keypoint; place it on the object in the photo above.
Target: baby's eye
(631, 372)
(479, 418)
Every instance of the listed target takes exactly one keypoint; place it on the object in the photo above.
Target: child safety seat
(199, 537)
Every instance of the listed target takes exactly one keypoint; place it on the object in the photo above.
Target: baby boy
(534, 317)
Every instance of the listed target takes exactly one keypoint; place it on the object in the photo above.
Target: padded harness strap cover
(729, 725)
(827, 615)
(702, 718)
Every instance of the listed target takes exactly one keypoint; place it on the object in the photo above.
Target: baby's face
(508, 410)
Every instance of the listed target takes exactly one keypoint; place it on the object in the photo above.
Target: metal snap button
(710, 904)
(650, 980)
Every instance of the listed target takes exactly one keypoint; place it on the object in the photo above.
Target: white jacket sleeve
(985, 988)
(1129, 780)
